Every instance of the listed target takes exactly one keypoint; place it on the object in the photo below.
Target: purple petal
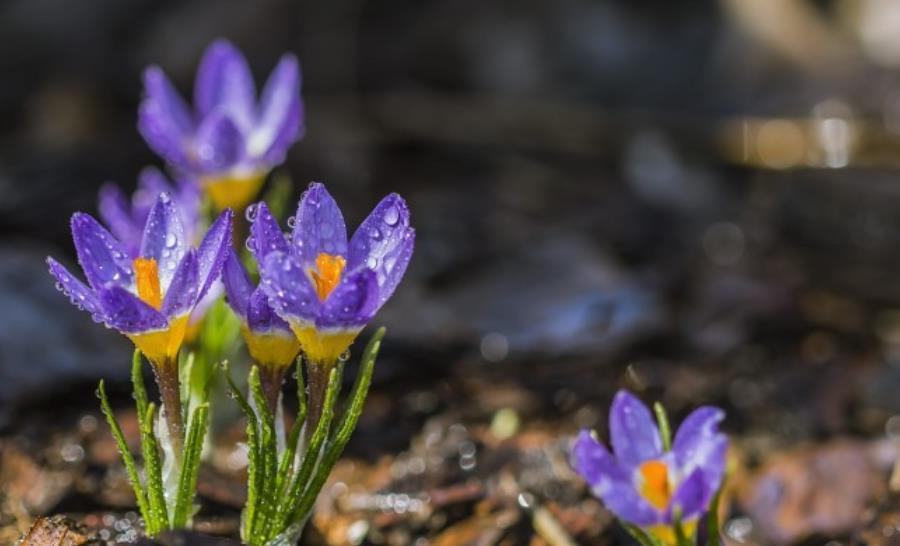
(291, 293)
(699, 444)
(164, 238)
(117, 215)
(182, 292)
(212, 251)
(219, 144)
(319, 226)
(127, 313)
(265, 234)
(691, 497)
(237, 284)
(164, 119)
(280, 121)
(632, 430)
(79, 293)
(101, 256)
(353, 302)
(610, 482)
(260, 315)
(224, 82)
(384, 243)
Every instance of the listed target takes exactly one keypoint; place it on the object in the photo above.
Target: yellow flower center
(327, 273)
(147, 280)
(654, 484)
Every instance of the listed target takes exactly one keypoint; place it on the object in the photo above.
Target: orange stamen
(327, 273)
(654, 485)
(147, 280)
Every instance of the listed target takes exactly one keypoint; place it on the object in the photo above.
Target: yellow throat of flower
(160, 346)
(233, 191)
(654, 486)
(327, 273)
(147, 279)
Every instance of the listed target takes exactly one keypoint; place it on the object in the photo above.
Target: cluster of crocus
(317, 292)
(659, 487)
(229, 142)
(156, 266)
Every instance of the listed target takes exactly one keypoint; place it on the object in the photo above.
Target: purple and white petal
(181, 295)
(79, 293)
(115, 210)
(260, 315)
(212, 251)
(126, 313)
(238, 287)
(691, 498)
(164, 119)
(384, 243)
(290, 290)
(699, 444)
(103, 259)
(593, 462)
(633, 432)
(219, 144)
(319, 226)
(610, 482)
(265, 233)
(353, 302)
(280, 117)
(164, 238)
(224, 82)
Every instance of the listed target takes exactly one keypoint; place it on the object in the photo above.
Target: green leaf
(311, 456)
(665, 431)
(254, 469)
(268, 452)
(640, 535)
(130, 468)
(713, 535)
(286, 465)
(190, 465)
(346, 427)
(153, 469)
(156, 503)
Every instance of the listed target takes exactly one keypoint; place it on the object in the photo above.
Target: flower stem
(169, 391)
(272, 378)
(317, 384)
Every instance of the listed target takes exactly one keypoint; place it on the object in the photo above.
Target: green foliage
(282, 487)
(150, 491)
(665, 430)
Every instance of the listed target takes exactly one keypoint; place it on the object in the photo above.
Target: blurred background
(696, 200)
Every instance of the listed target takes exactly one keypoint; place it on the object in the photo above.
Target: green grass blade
(665, 430)
(286, 465)
(254, 470)
(137, 382)
(127, 458)
(292, 500)
(268, 451)
(153, 469)
(345, 429)
(190, 464)
(713, 536)
(640, 535)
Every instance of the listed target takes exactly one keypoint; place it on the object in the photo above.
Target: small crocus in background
(657, 487)
(269, 339)
(229, 143)
(325, 289)
(149, 297)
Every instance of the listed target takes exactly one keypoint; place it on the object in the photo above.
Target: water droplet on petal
(391, 216)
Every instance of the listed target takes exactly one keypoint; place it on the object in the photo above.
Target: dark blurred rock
(45, 342)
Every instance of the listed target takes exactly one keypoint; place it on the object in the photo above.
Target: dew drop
(391, 216)
(251, 213)
(170, 240)
(291, 222)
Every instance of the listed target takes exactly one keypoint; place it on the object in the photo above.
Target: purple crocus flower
(270, 341)
(229, 142)
(645, 485)
(326, 288)
(126, 217)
